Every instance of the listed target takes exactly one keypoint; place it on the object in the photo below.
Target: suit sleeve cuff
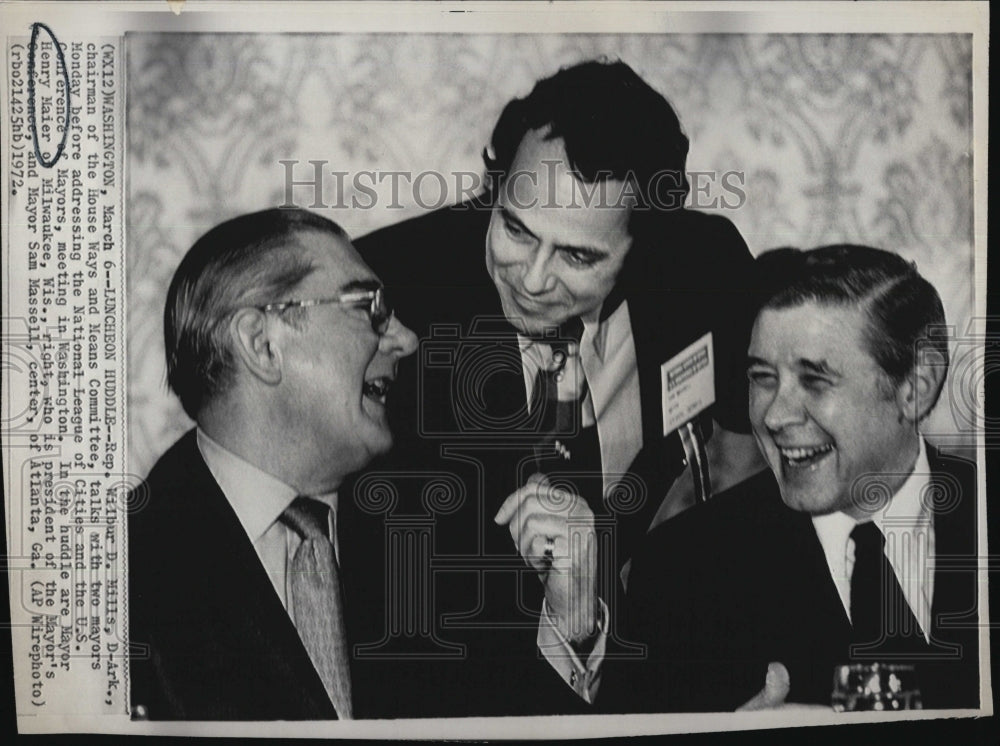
(582, 678)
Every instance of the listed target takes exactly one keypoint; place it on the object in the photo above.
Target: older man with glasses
(281, 347)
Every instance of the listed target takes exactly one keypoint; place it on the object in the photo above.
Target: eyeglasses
(379, 312)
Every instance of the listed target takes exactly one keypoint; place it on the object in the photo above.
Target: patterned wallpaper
(840, 138)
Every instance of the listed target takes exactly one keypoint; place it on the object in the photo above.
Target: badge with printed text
(688, 383)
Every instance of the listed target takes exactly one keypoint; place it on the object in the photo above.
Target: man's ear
(254, 348)
(918, 393)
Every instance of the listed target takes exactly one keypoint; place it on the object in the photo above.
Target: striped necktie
(316, 600)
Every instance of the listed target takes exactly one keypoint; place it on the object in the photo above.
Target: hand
(777, 682)
(537, 513)
(776, 685)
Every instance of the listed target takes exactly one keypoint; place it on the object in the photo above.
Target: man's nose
(786, 408)
(398, 339)
(539, 278)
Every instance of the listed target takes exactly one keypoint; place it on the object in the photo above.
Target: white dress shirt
(908, 526)
(607, 352)
(259, 499)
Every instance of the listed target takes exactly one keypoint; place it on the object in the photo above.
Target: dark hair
(250, 260)
(614, 126)
(904, 311)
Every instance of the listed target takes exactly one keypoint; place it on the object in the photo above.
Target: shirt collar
(595, 334)
(908, 506)
(905, 509)
(258, 498)
(833, 530)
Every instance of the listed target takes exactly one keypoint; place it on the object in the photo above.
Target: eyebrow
(818, 366)
(509, 217)
(353, 285)
(593, 251)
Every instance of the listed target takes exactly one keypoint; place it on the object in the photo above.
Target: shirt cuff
(585, 680)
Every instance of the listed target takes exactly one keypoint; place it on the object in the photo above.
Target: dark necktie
(568, 452)
(884, 625)
(316, 602)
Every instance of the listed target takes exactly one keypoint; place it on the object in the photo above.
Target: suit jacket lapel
(950, 678)
(662, 326)
(805, 606)
(953, 489)
(648, 363)
(247, 594)
(814, 564)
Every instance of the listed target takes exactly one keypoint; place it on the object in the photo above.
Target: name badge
(688, 383)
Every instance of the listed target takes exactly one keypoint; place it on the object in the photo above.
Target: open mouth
(805, 457)
(377, 389)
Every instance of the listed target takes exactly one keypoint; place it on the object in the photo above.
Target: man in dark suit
(578, 264)
(281, 347)
(856, 547)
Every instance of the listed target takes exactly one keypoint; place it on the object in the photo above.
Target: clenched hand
(540, 516)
